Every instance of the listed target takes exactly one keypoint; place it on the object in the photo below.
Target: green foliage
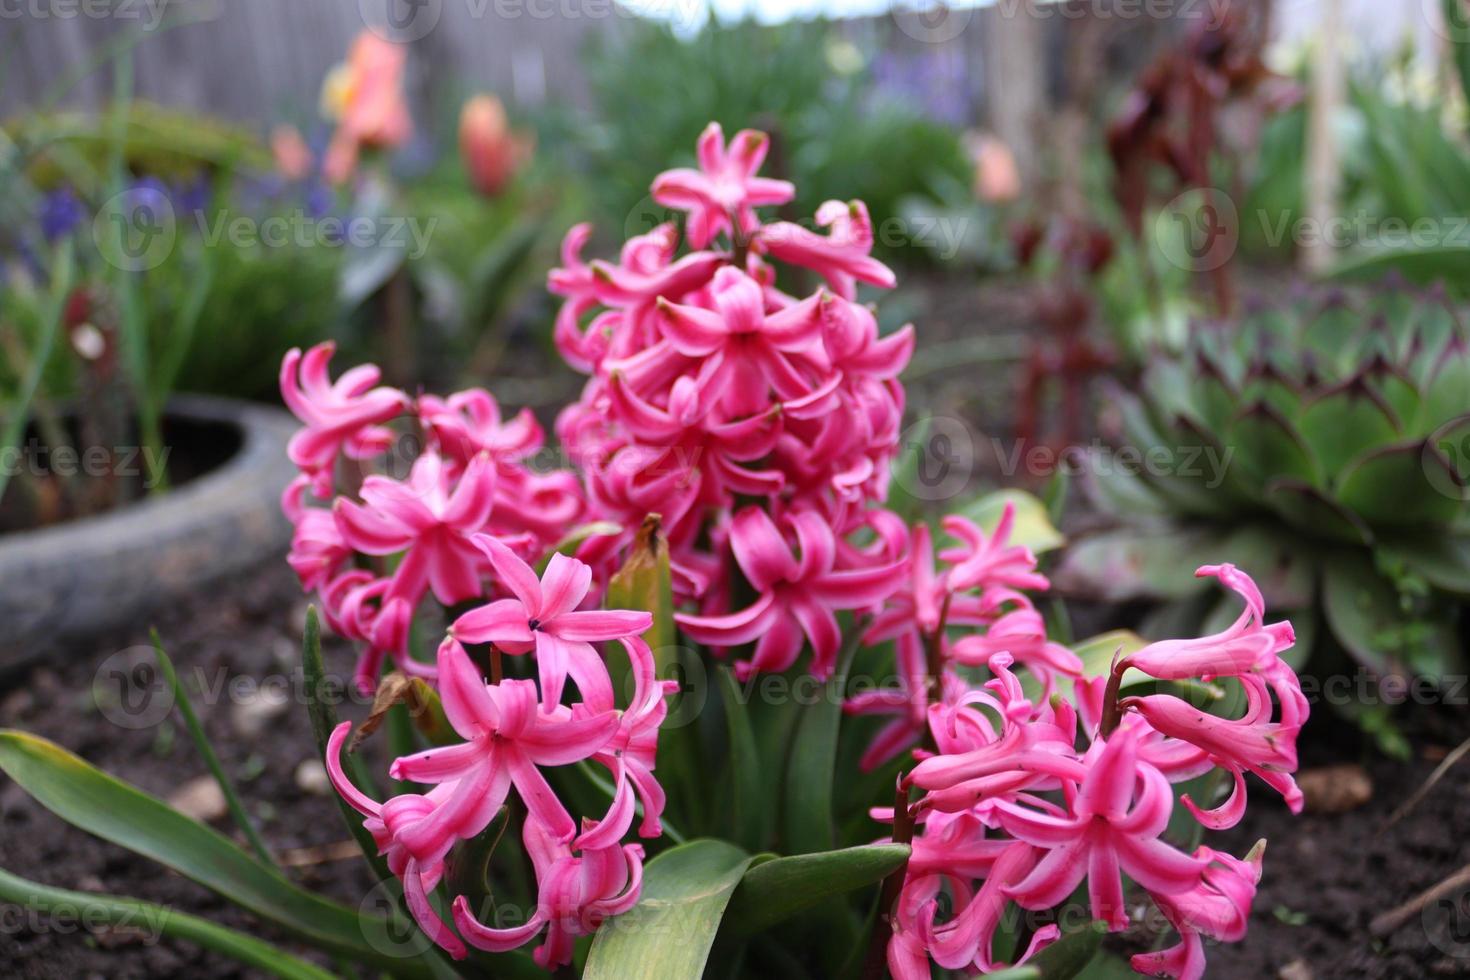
(1323, 445)
(831, 134)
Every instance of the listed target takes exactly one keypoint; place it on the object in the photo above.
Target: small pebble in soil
(1295, 970)
(1335, 789)
(311, 777)
(200, 798)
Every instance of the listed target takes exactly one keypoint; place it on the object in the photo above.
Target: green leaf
(1401, 484)
(323, 720)
(751, 810)
(807, 807)
(156, 921)
(20, 411)
(1443, 559)
(1341, 423)
(1423, 264)
(95, 802)
(670, 931)
(776, 890)
(1068, 956)
(1308, 509)
(645, 583)
(1268, 448)
(1137, 563)
(1032, 528)
(1366, 613)
(201, 743)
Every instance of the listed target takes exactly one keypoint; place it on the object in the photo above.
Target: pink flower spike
(984, 561)
(722, 194)
(345, 416)
(543, 616)
(1247, 644)
(798, 596)
(841, 257)
(430, 518)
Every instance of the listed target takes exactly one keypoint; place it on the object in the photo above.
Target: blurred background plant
(1321, 441)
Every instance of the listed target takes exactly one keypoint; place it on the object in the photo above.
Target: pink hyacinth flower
(506, 739)
(431, 521)
(797, 596)
(842, 256)
(1120, 809)
(542, 615)
(1249, 650)
(1247, 644)
(343, 417)
(575, 894)
(1218, 907)
(983, 561)
(743, 353)
(725, 188)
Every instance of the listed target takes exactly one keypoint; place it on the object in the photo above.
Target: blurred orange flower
(492, 153)
(365, 97)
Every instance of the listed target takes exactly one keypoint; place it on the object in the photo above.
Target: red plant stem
(1112, 714)
(876, 960)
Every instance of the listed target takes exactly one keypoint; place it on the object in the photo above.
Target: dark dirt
(248, 629)
(1327, 875)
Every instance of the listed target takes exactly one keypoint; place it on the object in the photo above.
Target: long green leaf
(119, 813)
(750, 812)
(668, 934)
(158, 920)
(323, 720)
(201, 742)
(775, 890)
(807, 825)
(15, 422)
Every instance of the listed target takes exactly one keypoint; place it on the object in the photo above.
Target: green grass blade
(158, 920)
(15, 422)
(206, 750)
(122, 814)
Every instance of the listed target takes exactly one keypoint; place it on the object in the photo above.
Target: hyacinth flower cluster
(1021, 795)
(759, 427)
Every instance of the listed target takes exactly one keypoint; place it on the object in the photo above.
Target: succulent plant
(1320, 443)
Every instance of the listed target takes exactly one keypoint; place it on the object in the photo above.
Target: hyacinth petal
(513, 573)
(1105, 888)
(345, 788)
(423, 913)
(1054, 877)
(564, 585)
(501, 622)
(855, 588)
(820, 626)
(693, 331)
(1109, 784)
(615, 823)
(595, 625)
(731, 630)
(553, 742)
(439, 764)
(760, 549)
(369, 531)
(491, 940)
(541, 800)
(467, 704)
(777, 648)
(1184, 961)
(1157, 866)
(1228, 813)
(472, 500)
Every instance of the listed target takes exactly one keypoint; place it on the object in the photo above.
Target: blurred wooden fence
(263, 60)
